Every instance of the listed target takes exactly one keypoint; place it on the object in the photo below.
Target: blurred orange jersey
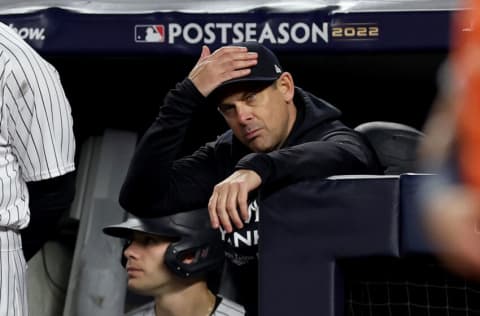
(466, 67)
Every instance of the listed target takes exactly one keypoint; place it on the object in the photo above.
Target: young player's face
(260, 119)
(147, 272)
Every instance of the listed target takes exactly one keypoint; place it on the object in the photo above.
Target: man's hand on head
(229, 200)
(225, 63)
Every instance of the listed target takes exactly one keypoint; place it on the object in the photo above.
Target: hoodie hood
(315, 108)
(312, 112)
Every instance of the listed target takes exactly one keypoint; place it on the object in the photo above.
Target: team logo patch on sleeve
(150, 33)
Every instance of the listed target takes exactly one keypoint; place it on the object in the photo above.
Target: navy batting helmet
(192, 236)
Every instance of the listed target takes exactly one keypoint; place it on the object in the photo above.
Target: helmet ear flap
(207, 253)
(173, 261)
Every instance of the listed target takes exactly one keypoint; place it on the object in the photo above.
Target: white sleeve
(40, 126)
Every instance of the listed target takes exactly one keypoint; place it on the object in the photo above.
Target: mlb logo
(149, 33)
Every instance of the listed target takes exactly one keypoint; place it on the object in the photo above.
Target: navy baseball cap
(266, 71)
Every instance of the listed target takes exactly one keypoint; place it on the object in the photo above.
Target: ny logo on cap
(277, 69)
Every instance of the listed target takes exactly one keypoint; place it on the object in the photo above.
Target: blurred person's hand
(453, 223)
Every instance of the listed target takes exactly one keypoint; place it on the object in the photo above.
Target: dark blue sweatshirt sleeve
(157, 183)
(335, 155)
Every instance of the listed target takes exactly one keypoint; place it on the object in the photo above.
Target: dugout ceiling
(375, 60)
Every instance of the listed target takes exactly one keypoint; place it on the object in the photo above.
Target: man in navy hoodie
(279, 134)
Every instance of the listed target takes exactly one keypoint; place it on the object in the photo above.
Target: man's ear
(188, 259)
(286, 85)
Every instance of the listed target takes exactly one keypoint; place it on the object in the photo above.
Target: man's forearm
(148, 176)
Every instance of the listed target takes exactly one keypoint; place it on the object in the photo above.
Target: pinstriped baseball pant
(13, 291)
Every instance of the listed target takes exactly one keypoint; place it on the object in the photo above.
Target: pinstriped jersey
(229, 308)
(226, 307)
(36, 136)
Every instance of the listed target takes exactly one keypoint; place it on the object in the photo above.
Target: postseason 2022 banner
(59, 31)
